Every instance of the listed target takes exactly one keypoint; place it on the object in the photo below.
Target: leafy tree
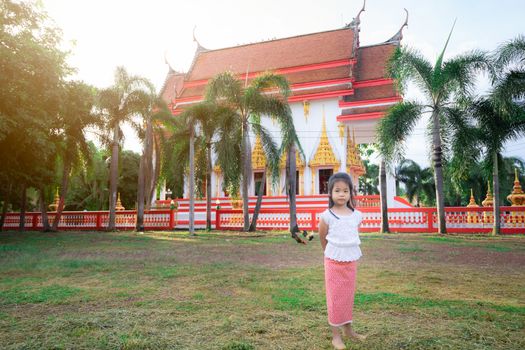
(32, 68)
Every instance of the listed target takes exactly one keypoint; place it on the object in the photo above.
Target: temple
(339, 90)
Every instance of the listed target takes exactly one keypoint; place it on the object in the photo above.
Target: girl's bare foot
(349, 332)
(338, 343)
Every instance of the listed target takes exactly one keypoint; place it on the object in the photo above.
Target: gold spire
(53, 206)
(354, 163)
(489, 200)
(119, 205)
(517, 197)
(258, 156)
(324, 155)
(472, 202)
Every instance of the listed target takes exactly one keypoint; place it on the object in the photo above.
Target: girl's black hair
(343, 177)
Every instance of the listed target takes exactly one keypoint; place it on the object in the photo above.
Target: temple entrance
(257, 178)
(324, 175)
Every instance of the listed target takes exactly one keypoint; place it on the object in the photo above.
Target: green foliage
(128, 178)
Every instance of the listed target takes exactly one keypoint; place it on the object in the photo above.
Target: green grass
(237, 291)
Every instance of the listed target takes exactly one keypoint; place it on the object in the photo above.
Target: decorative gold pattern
(258, 156)
(517, 197)
(341, 128)
(299, 162)
(324, 155)
(306, 109)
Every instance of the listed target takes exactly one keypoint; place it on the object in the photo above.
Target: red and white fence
(459, 219)
(96, 220)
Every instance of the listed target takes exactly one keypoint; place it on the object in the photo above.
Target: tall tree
(120, 103)
(442, 84)
(485, 124)
(248, 102)
(74, 117)
(32, 68)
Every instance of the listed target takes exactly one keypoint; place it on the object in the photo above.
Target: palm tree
(75, 116)
(383, 197)
(442, 84)
(487, 123)
(153, 110)
(249, 103)
(118, 104)
(202, 119)
(418, 181)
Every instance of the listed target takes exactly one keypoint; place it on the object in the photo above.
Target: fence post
(34, 220)
(312, 220)
(99, 221)
(217, 219)
(172, 219)
(430, 223)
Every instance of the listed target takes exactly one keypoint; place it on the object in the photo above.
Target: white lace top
(343, 236)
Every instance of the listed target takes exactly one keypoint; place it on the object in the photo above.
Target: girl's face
(340, 193)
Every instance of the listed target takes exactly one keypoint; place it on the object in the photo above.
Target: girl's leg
(337, 340)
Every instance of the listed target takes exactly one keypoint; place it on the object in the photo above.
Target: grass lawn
(231, 291)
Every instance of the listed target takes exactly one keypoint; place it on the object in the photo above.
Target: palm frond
(407, 65)
(395, 127)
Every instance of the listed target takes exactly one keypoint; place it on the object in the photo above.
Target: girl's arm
(323, 231)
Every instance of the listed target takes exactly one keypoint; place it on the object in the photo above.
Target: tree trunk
(22, 224)
(383, 197)
(63, 192)
(191, 181)
(496, 229)
(438, 173)
(292, 188)
(208, 186)
(113, 179)
(148, 165)
(246, 173)
(4, 213)
(140, 196)
(253, 225)
(43, 211)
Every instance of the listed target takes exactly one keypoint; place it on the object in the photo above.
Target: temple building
(339, 90)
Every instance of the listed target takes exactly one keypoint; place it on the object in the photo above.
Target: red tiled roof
(371, 61)
(271, 55)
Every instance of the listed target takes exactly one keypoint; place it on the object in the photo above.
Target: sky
(143, 35)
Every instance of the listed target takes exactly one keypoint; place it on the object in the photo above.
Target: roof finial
(200, 48)
(356, 21)
(396, 39)
(355, 27)
(171, 71)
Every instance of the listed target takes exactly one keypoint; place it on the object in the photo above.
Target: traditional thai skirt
(340, 278)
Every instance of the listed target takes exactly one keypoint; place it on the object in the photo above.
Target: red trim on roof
(373, 82)
(321, 95)
(296, 69)
(360, 116)
(354, 104)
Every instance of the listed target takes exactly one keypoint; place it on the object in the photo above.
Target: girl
(340, 242)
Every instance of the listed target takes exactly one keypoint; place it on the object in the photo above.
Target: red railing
(96, 220)
(459, 219)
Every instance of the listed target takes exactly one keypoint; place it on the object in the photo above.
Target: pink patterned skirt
(340, 286)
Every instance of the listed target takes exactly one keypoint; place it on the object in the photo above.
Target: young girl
(340, 241)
